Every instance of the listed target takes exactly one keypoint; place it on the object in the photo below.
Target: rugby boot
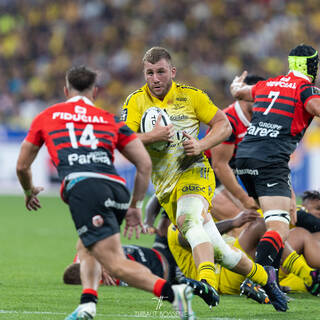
(254, 291)
(203, 289)
(277, 297)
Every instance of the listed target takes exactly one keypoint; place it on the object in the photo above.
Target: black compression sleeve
(308, 221)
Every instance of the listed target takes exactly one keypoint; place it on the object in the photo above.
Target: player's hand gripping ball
(148, 121)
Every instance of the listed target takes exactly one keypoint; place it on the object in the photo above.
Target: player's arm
(243, 217)
(153, 208)
(220, 130)
(136, 153)
(239, 89)
(221, 155)
(159, 133)
(308, 221)
(27, 155)
(313, 106)
(131, 115)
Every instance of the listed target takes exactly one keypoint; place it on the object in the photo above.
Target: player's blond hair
(155, 54)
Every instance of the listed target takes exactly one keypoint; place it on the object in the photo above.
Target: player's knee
(190, 220)
(277, 216)
(189, 213)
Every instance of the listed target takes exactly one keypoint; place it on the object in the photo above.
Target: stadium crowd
(40, 39)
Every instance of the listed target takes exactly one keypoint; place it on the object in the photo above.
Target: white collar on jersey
(240, 114)
(299, 74)
(85, 99)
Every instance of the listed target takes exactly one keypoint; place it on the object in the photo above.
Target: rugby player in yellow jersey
(182, 176)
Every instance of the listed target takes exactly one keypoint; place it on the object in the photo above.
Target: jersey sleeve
(308, 92)
(125, 134)
(35, 134)
(205, 109)
(131, 114)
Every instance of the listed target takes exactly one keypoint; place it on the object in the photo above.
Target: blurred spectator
(215, 39)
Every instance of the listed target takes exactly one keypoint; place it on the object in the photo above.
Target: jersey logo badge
(81, 110)
(270, 185)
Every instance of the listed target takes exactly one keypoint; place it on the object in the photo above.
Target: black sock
(88, 297)
(167, 292)
(277, 261)
(268, 249)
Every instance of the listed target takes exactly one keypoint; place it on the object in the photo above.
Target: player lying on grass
(300, 240)
(159, 258)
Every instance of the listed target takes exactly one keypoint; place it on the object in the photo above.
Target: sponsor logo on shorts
(109, 203)
(193, 187)
(82, 230)
(97, 221)
(251, 172)
(270, 185)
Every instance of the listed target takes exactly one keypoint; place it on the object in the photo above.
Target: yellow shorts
(295, 283)
(228, 281)
(200, 181)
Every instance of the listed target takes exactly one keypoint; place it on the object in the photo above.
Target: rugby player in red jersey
(283, 108)
(81, 140)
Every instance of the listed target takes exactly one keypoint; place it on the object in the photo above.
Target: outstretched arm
(243, 217)
(239, 89)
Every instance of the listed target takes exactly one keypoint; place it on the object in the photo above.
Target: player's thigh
(198, 181)
(98, 207)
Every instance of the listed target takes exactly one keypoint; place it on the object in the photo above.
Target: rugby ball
(148, 121)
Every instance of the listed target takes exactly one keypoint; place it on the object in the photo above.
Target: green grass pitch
(36, 247)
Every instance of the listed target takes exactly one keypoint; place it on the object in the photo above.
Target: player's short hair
(72, 274)
(155, 54)
(81, 78)
(251, 79)
(310, 195)
(304, 58)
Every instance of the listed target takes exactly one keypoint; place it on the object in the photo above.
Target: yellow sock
(206, 270)
(296, 264)
(258, 274)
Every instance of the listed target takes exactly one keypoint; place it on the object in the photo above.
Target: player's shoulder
(132, 97)
(188, 90)
(230, 109)
(192, 92)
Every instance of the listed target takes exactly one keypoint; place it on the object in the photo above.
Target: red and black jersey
(80, 137)
(279, 117)
(239, 124)
(150, 258)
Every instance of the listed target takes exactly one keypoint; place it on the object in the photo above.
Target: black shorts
(262, 178)
(98, 207)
